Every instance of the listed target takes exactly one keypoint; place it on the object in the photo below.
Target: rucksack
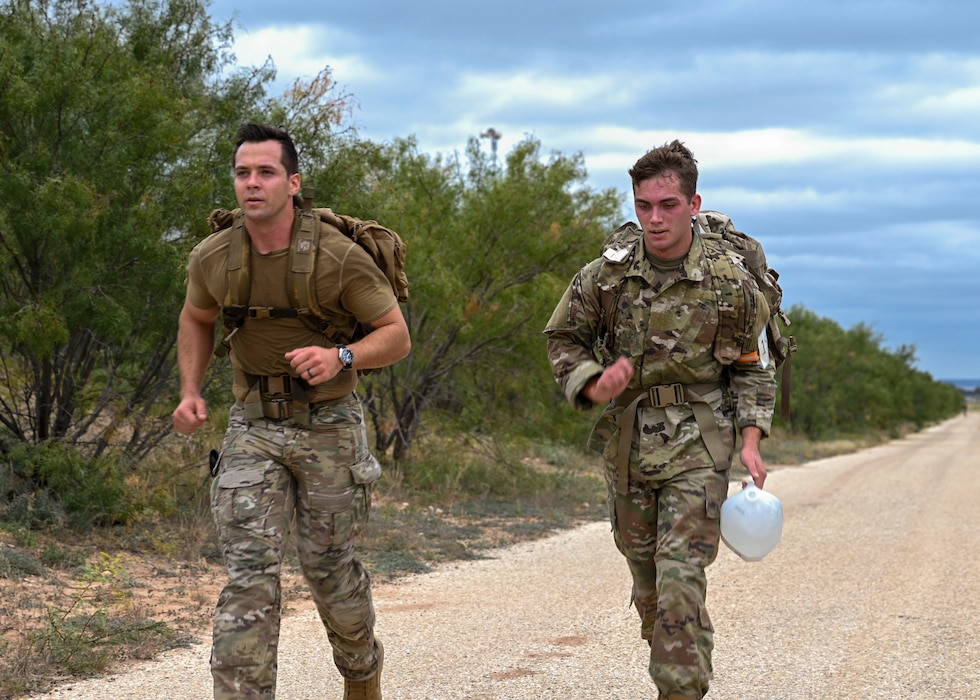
(386, 248)
(715, 226)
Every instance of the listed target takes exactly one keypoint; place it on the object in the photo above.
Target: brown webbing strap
(237, 281)
(239, 251)
(659, 397)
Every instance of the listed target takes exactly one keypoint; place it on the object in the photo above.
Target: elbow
(398, 343)
(406, 346)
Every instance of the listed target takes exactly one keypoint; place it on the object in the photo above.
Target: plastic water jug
(752, 523)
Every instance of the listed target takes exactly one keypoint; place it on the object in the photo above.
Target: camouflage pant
(272, 473)
(669, 532)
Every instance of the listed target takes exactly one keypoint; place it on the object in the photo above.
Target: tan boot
(369, 688)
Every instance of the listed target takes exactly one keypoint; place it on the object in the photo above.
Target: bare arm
(195, 343)
(751, 455)
(388, 343)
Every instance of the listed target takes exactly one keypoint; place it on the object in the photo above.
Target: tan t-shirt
(349, 288)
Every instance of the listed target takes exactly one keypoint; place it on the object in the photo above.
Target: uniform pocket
(715, 493)
(236, 476)
(367, 470)
(604, 429)
(347, 524)
(237, 498)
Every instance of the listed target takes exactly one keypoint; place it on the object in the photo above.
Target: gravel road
(874, 592)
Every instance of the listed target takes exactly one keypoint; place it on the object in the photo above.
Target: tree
(490, 250)
(846, 381)
(108, 141)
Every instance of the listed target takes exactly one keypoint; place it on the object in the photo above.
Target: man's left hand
(751, 456)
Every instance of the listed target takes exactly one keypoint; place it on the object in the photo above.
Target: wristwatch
(346, 356)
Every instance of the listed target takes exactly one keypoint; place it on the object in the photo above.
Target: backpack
(384, 246)
(715, 226)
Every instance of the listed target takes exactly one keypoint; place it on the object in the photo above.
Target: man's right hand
(611, 383)
(190, 414)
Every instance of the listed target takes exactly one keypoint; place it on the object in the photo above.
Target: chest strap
(662, 396)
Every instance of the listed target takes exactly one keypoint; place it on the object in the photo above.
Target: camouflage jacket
(669, 331)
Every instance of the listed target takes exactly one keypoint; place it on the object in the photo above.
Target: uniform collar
(694, 267)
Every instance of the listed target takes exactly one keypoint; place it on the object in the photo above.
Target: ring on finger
(309, 373)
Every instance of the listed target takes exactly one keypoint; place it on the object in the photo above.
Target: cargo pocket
(603, 431)
(715, 493)
(346, 439)
(712, 501)
(366, 470)
(235, 498)
(347, 514)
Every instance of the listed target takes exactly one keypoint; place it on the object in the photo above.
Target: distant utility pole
(494, 136)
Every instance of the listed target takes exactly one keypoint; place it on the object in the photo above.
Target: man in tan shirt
(296, 444)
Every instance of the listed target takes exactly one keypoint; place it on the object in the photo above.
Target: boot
(369, 688)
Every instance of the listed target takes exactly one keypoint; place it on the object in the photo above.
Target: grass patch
(80, 629)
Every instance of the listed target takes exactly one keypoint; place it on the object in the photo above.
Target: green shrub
(54, 484)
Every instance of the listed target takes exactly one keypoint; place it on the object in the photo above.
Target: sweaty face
(665, 214)
(262, 187)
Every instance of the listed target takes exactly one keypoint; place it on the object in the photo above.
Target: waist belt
(662, 396)
(279, 397)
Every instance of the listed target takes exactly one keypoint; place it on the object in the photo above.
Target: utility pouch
(277, 397)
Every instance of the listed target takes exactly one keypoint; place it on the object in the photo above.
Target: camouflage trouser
(271, 472)
(669, 531)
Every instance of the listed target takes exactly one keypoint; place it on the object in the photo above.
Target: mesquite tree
(109, 122)
(491, 247)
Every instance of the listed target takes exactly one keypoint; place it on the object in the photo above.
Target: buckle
(667, 395)
(275, 396)
(277, 409)
(259, 312)
(276, 386)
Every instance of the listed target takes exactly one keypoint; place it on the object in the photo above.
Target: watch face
(347, 357)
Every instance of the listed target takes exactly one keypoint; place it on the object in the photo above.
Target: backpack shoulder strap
(238, 286)
(239, 264)
(737, 302)
(617, 253)
(239, 253)
(303, 251)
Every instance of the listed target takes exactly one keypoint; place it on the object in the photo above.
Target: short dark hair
(256, 133)
(672, 157)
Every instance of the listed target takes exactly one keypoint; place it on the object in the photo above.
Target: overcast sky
(843, 134)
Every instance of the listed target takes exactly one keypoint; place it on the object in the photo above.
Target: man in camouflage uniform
(296, 445)
(665, 327)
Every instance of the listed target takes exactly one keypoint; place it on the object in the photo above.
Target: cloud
(298, 54)
(496, 91)
(844, 134)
